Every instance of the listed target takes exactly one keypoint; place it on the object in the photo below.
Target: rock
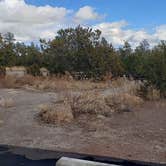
(8, 102)
(101, 117)
(1, 122)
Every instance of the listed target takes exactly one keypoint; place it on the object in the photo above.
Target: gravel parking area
(136, 135)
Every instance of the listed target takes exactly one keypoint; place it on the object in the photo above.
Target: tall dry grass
(50, 83)
(124, 85)
(149, 93)
(116, 86)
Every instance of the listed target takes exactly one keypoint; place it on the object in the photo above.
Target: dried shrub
(26, 80)
(98, 104)
(70, 106)
(122, 102)
(149, 92)
(124, 85)
(8, 82)
(73, 105)
(89, 102)
(56, 113)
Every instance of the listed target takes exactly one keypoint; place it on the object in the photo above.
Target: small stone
(101, 117)
(8, 102)
(1, 122)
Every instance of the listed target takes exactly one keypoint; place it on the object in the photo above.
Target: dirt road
(136, 135)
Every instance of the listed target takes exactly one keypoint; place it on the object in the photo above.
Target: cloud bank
(29, 23)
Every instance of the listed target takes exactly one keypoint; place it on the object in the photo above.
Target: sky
(119, 20)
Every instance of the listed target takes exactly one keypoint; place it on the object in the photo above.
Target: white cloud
(112, 31)
(117, 33)
(86, 13)
(28, 22)
(161, 32)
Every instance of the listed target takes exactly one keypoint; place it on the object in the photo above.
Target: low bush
(124, 85)
(89, 102)
(149, 92)
(122, 102)
(70, 106)
(33, 70)
(56, 113)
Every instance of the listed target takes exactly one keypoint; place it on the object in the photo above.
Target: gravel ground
(136, 135)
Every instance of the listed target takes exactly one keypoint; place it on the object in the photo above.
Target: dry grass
(50, 83)
(7, 82)
(89, 103)
(56, 113)
(70, 106)
(14, 82)
(123, 102)
(119, 85)
(6, 102)
(150, 93)
(124, 85)
(97, 104)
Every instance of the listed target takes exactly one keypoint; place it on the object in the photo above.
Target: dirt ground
(136, 135)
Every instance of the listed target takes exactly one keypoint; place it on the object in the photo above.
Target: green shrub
(33, 70)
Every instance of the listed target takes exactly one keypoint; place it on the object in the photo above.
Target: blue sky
(138, 13)
(119, 20)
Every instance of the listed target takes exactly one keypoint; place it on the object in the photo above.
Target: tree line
(83, 50)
